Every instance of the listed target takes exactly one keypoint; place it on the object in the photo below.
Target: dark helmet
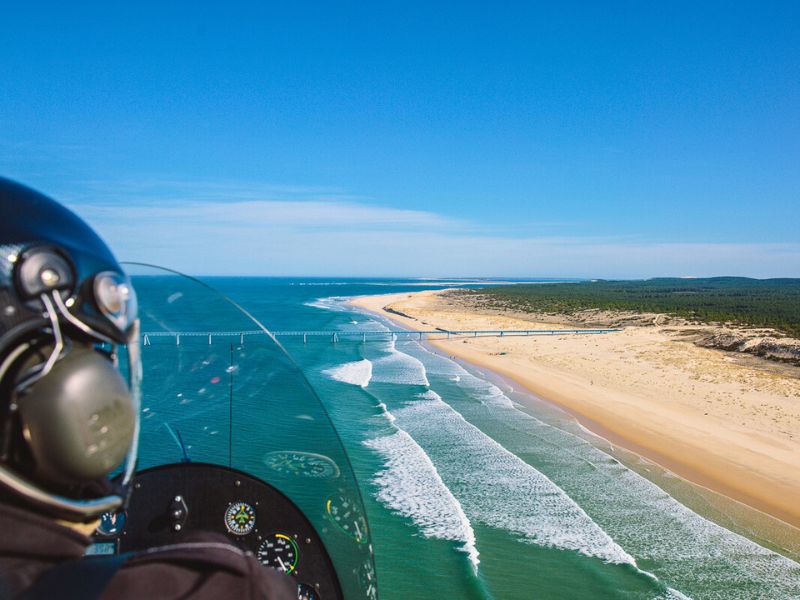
(67, 417)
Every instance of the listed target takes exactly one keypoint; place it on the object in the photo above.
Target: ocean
(474, 489)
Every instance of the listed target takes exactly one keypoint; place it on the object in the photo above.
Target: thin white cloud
(250, 215)
(338, 237)
(165, 189)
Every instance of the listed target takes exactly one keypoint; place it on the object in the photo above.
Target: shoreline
(728, 512)
(623, 420)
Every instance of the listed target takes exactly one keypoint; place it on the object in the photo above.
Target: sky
(431, 139)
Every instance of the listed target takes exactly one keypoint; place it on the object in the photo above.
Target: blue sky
(597, 139)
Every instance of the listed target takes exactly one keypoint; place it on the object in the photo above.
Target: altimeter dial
(278, 551)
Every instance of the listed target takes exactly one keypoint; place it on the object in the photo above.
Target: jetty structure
(372, 335)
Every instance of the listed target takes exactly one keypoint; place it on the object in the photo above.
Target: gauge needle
(283, 566)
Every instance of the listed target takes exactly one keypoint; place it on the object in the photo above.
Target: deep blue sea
(474, 491)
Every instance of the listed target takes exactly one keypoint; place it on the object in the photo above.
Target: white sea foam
(495, 486)
(334, 303)
(358, 372)
(399, 367)
(483, 390)
(491, 393)
(499, 489)
(411, 487)
(686, 549)
(364, 325)
(389, 416)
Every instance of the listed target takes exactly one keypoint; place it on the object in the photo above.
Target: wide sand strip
(733, 428)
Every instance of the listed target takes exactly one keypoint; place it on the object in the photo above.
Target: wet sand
(701, 413)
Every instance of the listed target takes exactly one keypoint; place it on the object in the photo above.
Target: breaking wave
(399, 368)
(355, 373)
(411, 486)
(498, 488)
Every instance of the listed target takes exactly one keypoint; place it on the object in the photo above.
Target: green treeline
(758, 302)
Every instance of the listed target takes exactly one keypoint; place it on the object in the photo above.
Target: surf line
(409, 484)
(619, 557)
(491, 393)
(408, 463)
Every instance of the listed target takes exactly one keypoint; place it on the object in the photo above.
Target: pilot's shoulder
(211, 550)
(201, 566)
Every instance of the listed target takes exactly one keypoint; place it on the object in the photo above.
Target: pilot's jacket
(203, 566)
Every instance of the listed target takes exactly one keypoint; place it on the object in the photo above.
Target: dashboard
(169, 501)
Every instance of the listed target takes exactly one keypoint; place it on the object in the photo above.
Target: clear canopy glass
(219, 389)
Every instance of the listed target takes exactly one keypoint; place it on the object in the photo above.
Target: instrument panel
(169, 501)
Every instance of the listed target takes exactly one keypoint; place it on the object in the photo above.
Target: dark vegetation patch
(773, 303)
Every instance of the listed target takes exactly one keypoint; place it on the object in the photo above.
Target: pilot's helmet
(68, 417)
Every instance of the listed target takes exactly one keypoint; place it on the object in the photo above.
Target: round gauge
(306, 592)
(302, 464)
(111, 524)
(240, 518)
(347, 516)
(278, 551)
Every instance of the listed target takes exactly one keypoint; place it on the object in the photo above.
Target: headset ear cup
(77, 420)
(40, 270)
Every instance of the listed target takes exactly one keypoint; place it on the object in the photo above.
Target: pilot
(68, 419)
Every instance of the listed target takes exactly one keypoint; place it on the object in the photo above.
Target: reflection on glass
(347, 514)
(218, 389)
(302, 464)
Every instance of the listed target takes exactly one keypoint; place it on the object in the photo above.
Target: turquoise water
(471, 494)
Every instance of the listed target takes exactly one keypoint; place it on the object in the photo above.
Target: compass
(240, 518)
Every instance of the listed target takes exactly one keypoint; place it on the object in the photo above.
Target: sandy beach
(730, 425)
